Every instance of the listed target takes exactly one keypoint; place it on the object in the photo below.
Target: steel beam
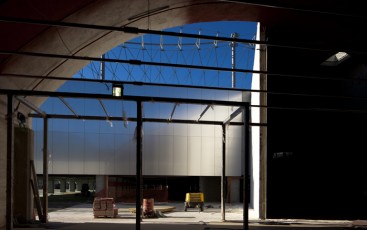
(131, 61)
(233, 116)
(30, 105)
(205, 110)
(173, 112)
(104, 109)
(69, 107)
(138, 83)
(126, 97)
(135, 30)
(153, 120)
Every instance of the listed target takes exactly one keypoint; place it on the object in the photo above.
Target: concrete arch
(88, 42)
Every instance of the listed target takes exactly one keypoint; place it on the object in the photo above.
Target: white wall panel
(207, 130)
(91, 155)
(235, 131)
(194, 112)
(181, 112)
(180, 156)
(166, 155)
(151, 110)
(194, 155)
(91, 126)
(207, 156)
(132, 154)
(93, 107)
(222, 112)
(178, 92)
(218, 145)
(106, 154)
(151, 129)
(165, 109)
(234, 96)
(194, 130)
(60, 155)
(194, 93)
(38, 151)
(151, 149)
(233, 160)
(76, 153)
(166, 129)
(207, 94)
(180, 129)
(221, 95)
(218, 131)
(106, 126)
(61, 125)
(124, 144)
(76, 125)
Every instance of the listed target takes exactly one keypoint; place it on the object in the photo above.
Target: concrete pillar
(91, 184)
(72, 186)
(23, 154)
(263, 131)
(2, 172)
(210, 186)
(234, 190)
(100, 185)
(62, 185)
(79, 185)
(51, 186)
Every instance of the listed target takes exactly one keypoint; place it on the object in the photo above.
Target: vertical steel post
(103, 68)
(9, 164)
(233, 47)
(223, 177)
(45, 170)
(246, 190)
(139, 161)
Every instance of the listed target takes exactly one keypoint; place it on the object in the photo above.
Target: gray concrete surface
(81, 217)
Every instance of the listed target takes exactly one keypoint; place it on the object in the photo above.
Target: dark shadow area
(57, 202)
(198, 226)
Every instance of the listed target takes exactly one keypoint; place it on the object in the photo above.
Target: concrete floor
(80, 217)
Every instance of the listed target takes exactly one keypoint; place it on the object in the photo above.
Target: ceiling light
(336, 59)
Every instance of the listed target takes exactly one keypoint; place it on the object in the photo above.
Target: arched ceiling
(334, 24)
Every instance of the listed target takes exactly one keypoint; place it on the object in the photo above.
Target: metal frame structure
(18, 94)
(135, 30)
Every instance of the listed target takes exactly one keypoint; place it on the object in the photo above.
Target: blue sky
(176, 50)
(192, 52)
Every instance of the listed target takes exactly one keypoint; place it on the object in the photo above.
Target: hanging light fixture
(117, 90)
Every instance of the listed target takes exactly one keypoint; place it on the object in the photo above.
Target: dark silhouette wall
(316, 155)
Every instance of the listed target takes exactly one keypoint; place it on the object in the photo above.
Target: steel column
(246, 181)
(139, 162)
(9, 164)
(45, 170)
(223, 177)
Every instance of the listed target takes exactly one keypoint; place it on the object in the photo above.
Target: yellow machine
(194, 200)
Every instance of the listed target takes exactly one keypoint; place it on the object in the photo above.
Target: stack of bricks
(104, 207)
